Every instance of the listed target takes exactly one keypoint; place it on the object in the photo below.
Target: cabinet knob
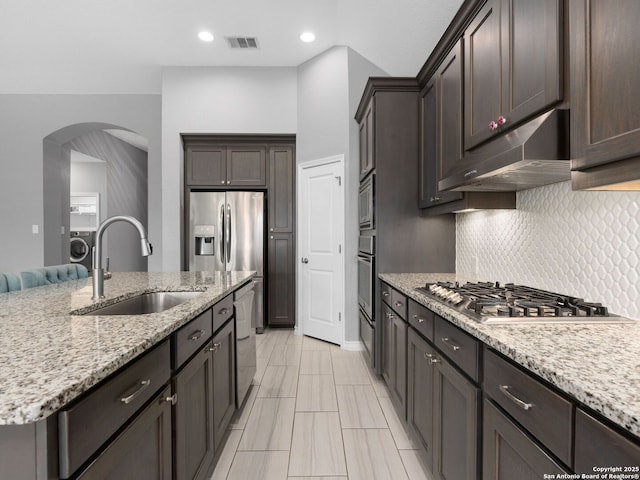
(271, 229)
(173, 399)
(501, 120)
(492, 126)
(435, 199)
(223, 182)
(271, 237)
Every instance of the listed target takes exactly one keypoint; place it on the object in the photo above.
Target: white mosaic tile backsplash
(584, 244)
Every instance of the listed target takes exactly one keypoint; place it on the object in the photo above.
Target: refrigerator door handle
(228, 233)
(221, 233)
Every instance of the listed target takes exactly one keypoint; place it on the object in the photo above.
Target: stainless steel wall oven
(366, 294)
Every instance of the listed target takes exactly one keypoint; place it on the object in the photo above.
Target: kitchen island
(50, 357)
(588, 374)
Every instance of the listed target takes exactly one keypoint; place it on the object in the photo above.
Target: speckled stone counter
(48, 356)
(597, 364)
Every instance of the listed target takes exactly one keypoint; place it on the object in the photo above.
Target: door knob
(305, 260)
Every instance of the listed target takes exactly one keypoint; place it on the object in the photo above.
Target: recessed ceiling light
(307, 37)
(205, 36)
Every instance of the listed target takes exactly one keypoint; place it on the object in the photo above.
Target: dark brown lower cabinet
(509, 453)
(456, 420)
(193, 421)
(143, 450)
(420, 375)
(224, 383)
(282, 286)
(398, 364)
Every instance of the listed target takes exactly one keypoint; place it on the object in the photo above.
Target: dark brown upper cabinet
(281, 188)
(441, 132)
(605, 74)
(513, 65)
(226, 165)
(367, 140)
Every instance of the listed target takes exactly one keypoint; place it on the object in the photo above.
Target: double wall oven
(366, 268)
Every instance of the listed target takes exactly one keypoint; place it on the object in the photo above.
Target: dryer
(80, 245)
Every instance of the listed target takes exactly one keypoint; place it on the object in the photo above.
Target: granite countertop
(49, 357)
(597, 364)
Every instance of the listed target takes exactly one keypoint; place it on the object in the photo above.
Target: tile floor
(316, 411)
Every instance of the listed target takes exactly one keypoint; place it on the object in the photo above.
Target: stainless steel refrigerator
(226, 232)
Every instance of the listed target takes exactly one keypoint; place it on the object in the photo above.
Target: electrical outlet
(35, 229)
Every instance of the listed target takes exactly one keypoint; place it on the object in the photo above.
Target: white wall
(24, 122)
(330, 86)
(216, 100)
(584, 244)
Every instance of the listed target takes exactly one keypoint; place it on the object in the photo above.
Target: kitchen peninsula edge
(598, 365)
(50, 357)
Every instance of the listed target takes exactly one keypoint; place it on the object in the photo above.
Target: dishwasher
(245, 341)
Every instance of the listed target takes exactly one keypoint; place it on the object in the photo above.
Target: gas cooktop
(493, 303)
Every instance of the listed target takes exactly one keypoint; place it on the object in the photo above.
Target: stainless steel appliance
(366, 294)
(246, 363)
(226, 232)
(366, 200)
(508, 304)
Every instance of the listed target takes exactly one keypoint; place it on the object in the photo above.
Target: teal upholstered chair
(55, 274)
(9, 282)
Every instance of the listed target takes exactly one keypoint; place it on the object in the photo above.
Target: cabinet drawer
(399, 303)
(461, 348)
(191, 337)
(385, 292)
(541, 411)
(85, 426)
(598, 445)
(422, 319)
(222, 311)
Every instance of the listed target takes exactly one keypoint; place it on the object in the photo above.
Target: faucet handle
(107, 273)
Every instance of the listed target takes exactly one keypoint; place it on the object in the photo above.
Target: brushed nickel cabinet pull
(522, 404)
(173, 399)
(197, 335)
(144, 384)
(215, 347)
(448, 343)
(418, 318)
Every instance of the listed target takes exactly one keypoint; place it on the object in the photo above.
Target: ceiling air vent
(245, 43)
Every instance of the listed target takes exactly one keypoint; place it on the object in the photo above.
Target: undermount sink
(154, 302)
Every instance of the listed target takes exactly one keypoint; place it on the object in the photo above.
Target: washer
(80, 245)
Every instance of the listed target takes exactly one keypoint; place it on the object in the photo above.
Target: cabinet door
(482, 74)
(224, 383)
(605, 125)
(193, 412)
(531, 53)
(206, 165)
(367, 138)
(281, 188)
(143, 450)
(508, 453)
(281, 279)
(246, 165)
(456, 431)
(428, 148)
(398, 374)
(420, 377)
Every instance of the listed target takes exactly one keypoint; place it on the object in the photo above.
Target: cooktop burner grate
(488, 302)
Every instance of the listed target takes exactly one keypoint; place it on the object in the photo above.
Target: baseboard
(352, 346)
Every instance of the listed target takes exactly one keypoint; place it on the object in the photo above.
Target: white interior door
(321, 236)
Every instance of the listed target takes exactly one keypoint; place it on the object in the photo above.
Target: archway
(122, 156)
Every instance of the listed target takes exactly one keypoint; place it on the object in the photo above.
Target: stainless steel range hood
(533, 154)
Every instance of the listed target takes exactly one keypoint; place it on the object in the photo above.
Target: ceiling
(120, 46)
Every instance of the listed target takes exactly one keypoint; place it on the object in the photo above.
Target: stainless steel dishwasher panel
(245, 341)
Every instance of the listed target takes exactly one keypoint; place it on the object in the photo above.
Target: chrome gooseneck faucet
(98, 271)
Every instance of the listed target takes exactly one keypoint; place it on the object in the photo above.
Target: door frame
(334, 159)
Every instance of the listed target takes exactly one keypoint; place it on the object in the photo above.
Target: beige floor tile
(371, 454)
(279, 381)
(239, 419)
(317, 447)
(316, 393)
(414, 467)
(295, 339)
(259, 465)
(350, 370)
(281, 334)
(261, 367)
(315, 362)
(285, 354)
(270, 425)
(226, 457)
(317, 478)
(400, 435)
(359, 407)
(310, 343)
(379, 385)
(265, 347)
